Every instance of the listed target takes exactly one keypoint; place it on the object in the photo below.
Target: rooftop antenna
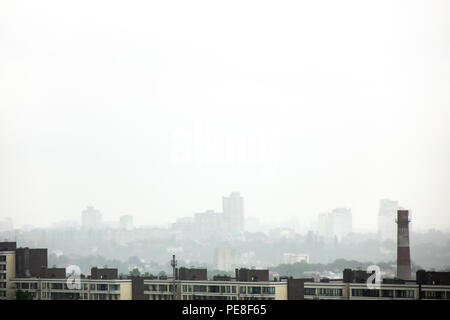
(174, 264)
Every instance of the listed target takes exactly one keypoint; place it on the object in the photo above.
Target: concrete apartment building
(224, 258)
(26, 270)
(255, 285)
(386, 219)
(192, 284)
(90, 288)
(7, 269)
(353, 286)
(337, 223)
(291, 258)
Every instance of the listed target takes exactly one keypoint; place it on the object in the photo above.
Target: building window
(365, 293)
(387, 293)
(163, 287)
(408, 294)
(199, 288)
(102, 287)
(115, 287)
(214, 289)
(254, 290)
(310, 291)
(268, 290)
(330, 292)
(434, 295)
(243, 290)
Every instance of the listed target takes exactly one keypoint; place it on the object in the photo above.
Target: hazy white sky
(159, 108)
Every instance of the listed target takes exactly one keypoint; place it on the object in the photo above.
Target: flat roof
(65, 279)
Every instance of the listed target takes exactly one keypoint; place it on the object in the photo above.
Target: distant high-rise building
(228, 224)
(91, 218)
(342, 222)
(386, 219)
(233, 210)
(208, 224)
(224, 258)
(325, 225)
(291, 258)
(338, 223)
(126, 222)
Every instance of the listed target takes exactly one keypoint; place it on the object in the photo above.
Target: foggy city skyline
(157, 110)
(222, 155)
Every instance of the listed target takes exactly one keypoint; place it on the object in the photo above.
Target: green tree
(135, 272)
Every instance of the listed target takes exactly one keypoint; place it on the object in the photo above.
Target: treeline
(302, 269)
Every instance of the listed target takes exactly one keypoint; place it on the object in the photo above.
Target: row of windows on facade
(212, 289)
(376, 293)
(360, 293)
(77, 296)
(63, 286)
(202, 297)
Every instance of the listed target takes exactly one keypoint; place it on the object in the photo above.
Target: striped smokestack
(403, 253)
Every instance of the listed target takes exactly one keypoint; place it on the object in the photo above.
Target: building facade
(224, 258)
(214, 290)
(193, 284)
(24, 269)
(386, 219)
(7, 269)
(336, 224)
(233, 210)
(91, 219)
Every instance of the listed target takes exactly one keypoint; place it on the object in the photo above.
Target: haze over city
(221, 155)
(157, 110)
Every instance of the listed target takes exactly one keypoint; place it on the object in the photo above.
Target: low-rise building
(24, 269)
(214, 290)
(353, 286)
(192, 284)
(89, 289)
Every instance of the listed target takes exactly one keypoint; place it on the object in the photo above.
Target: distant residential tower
(91, 218)
(386, 219)
(233, 210)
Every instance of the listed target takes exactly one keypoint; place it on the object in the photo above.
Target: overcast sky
(159, 108)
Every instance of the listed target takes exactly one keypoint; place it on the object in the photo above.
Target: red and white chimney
(403, 252)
